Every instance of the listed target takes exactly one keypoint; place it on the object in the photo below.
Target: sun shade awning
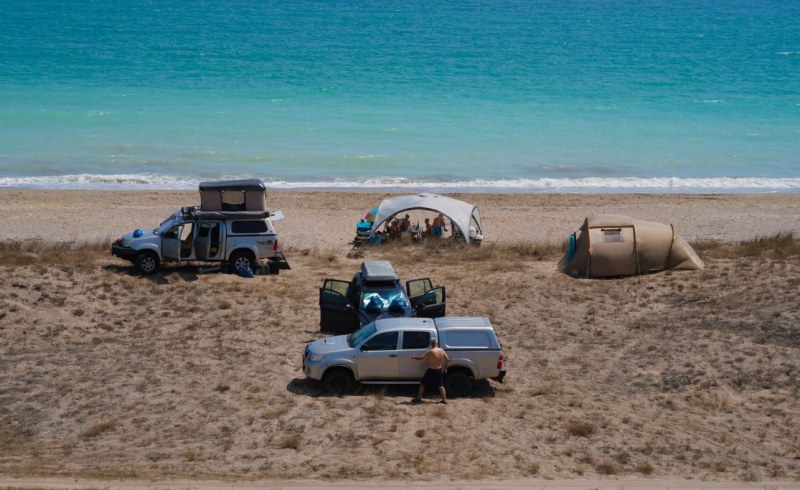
(459, 212)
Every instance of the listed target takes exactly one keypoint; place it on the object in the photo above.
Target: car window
(362, 333)
(167, 224)
(381, 300)
(416, 340)
(419, 286)
(383, 341)
(467, 339)
(251, 226)
(336, 286)
(173, 232)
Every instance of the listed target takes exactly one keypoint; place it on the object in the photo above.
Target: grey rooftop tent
(610, 245)
(233, 195)
(462, 215)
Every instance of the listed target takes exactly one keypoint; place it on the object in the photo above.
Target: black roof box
(234, 185)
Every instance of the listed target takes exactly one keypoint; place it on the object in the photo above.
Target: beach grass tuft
(98, 428)
(783, 244)
(778, 246)
(580, 428)
(291, 441)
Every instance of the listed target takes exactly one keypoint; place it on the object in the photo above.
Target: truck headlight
(316, 357)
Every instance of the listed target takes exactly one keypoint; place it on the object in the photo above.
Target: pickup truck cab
(231, 226)
(376, 292)
(381, 353)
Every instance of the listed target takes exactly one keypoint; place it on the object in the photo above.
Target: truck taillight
(500, 362)
(275, 245)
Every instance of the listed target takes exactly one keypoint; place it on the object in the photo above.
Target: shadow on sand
(312, 388)
(166, 275)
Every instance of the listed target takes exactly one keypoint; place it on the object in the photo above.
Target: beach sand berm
(671, 376)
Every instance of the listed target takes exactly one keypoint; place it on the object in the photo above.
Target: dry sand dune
(668, 376)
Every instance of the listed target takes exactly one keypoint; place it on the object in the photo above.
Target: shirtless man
(405, 223)
(434, 376)
(438, 226)
(428, 228)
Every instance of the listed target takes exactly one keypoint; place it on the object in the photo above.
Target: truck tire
(147, 263)
(242, 259)
(338, 382)
(457, 384)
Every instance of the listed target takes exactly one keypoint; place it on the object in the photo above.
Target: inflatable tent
(610, 245)
(462, 215)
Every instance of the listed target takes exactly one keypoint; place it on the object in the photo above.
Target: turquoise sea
(623, 95)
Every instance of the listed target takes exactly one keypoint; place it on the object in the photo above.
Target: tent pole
(636, 252)
(671, 244)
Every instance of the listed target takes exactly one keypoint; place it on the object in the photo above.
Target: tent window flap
(612, 235)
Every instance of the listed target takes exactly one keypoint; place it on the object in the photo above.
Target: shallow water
(618, 95)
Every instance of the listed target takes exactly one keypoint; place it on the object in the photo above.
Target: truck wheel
(458, 384)
(338, 382)
(242, 259)
(146, 263)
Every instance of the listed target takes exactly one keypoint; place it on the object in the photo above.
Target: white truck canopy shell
(459, 212)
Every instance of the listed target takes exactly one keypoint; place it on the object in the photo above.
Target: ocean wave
(95, 181)
(584, 184)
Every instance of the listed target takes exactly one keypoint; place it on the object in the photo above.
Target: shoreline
(541, 185)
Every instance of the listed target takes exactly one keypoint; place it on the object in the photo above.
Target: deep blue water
(520, 95)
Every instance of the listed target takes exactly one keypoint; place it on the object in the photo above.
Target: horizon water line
(725, 185)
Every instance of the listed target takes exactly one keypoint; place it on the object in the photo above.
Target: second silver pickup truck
(381, 353)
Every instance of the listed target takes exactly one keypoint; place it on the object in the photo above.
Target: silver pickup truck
(380, 353)
(231, 225)
(241, 239)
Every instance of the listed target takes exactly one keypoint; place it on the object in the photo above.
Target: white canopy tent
(461, 214)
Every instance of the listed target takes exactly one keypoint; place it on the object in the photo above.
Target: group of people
(397, 226)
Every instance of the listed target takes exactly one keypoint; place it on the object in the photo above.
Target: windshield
(361, 334)
(168, 223)
(382, 300)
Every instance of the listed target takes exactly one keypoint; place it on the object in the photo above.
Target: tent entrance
(612, 251)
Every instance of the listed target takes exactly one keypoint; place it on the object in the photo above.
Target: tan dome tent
(611, 245)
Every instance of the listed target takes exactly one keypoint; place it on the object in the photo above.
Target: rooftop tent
(233, 195)
(611, 245)
(463, 215)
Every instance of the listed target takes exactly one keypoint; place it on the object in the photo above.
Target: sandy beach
(666, 378)
(326, 219)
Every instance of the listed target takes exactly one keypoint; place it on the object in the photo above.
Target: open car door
(171, 243)
(336, 314)
(202, 241)
(427, 301)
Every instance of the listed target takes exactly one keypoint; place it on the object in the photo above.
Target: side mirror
(363, 348)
